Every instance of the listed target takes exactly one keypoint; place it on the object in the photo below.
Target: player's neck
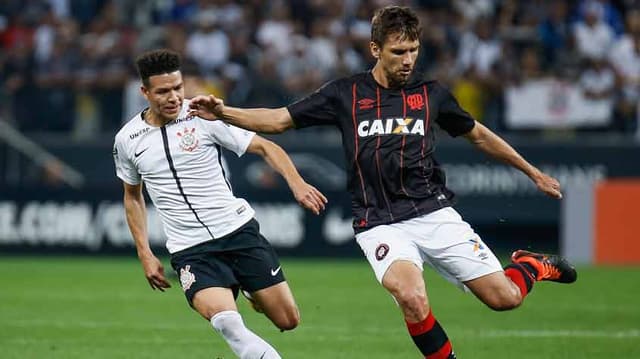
(379, 75)
(155, 120)
(384, 81)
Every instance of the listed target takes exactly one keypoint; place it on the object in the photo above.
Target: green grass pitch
(100, 307)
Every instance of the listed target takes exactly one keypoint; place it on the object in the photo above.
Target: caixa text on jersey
(391, 126)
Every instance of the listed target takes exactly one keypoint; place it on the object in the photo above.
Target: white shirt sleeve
(125, 169)
(230, 137)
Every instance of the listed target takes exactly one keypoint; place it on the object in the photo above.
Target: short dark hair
(157, 62)
(394, 20)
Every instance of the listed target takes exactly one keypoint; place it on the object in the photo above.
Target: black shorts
(243, 259)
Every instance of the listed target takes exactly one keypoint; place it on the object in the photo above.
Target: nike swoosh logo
(275, 272)
(137, 154)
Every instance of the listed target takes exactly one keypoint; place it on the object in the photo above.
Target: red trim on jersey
(404, 117)
(378, 102)
(426, 129)
(355, 135)
(426, 109)
(443, 353)
(404, 140)
(384, 195)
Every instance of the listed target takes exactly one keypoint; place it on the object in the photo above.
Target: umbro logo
(137, 154)
(274, 272)
(366, 103)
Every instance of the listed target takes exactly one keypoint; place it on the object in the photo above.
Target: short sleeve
(125, 169)
(317, 108)
(451, 117)
(230, 137)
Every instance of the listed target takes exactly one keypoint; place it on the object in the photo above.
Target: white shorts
(440, 239)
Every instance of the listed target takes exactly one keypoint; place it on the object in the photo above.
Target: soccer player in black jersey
(401, 206)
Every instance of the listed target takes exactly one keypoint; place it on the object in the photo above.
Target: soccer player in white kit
(215, 244)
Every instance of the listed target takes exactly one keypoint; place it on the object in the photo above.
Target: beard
(396, 80)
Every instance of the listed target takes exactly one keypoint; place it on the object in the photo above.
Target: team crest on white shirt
(188, 139)
(186, 278)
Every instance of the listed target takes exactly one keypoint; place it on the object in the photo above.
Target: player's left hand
(548, 185)
(309, 197)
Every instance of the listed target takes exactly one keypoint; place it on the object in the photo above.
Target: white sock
(243, 342)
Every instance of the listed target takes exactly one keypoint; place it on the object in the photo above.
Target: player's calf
(504, 299)
(283, 318)
(404, 281)
(414, 304)
(499, 290)
(277, 303)
(244, 343)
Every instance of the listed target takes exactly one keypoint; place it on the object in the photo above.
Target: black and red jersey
(388, 142)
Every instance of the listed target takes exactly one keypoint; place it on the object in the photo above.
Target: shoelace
(546, 270)
(550, 271)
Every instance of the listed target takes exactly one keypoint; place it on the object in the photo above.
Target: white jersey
(180, 164)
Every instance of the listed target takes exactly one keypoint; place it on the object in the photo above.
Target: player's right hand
(548, 185)
(207, 107)
(154, 272)
(309, 197)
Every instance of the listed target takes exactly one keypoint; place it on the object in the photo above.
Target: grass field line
(629, 334)
(569, 333)
(576, 334)
(505, 333)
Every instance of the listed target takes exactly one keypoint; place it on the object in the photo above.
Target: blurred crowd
(67, 65)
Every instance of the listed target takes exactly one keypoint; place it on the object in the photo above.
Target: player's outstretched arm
(136, 213)
(263, 120)
(306, 195)
(495, 146)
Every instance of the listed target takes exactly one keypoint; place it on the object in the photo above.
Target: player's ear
(375, 49)
(145, 92)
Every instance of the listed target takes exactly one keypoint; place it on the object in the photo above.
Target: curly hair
(157, 62)
(394, 20)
